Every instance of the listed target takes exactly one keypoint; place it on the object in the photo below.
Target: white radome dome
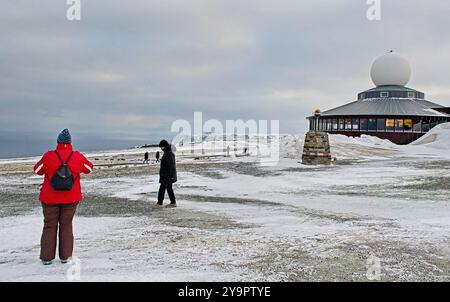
(390, 69)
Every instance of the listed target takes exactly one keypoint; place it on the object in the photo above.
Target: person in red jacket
(59, 206)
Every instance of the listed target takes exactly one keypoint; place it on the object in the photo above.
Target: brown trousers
(57, 215)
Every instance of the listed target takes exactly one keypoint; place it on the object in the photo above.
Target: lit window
(398, 125)
(408, 124)
(390, 124)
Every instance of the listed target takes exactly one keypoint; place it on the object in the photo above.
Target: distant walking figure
(167, 175)
(145, 158)
(60, 195)
(157, 156)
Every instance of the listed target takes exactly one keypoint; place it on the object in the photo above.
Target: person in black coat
(167, 175)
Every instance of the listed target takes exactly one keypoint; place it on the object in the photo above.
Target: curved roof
(387, 106)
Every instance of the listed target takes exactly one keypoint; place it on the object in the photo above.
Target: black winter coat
(168, 170)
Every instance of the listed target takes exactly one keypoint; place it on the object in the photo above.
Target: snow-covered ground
(239, 221)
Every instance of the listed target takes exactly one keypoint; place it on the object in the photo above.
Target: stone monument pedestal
(316, 150)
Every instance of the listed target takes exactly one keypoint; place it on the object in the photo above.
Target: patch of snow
(437, 138)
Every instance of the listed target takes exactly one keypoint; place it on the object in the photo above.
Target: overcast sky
(128, 69)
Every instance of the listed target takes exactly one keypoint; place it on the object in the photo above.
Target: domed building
(389, 111)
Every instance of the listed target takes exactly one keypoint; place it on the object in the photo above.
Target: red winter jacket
(50, 163)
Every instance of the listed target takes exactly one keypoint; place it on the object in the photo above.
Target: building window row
(375, 124)
(391, 94)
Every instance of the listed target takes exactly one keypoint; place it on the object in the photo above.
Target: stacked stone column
(316, 150)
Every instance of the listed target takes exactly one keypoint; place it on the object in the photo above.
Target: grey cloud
(130, 68)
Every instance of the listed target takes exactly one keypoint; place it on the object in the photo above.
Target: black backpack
(63, 179)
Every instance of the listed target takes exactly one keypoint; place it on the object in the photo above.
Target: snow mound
(437, 138)
(364, 147)
(291, 146)
(363, 140)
